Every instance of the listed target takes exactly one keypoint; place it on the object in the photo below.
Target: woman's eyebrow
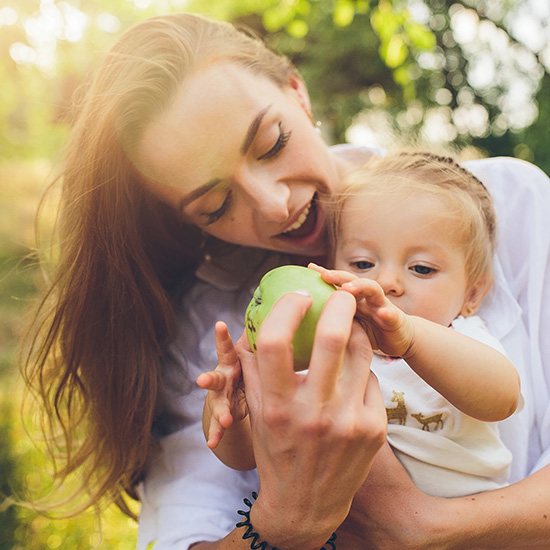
(253, 129)
(198, 192)
(249, 138)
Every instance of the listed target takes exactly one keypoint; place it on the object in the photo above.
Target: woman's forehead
(210, 115)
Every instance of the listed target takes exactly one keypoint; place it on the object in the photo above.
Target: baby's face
(410, 248)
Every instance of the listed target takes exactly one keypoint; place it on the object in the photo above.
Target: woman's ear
(475, 295)
(299, 88)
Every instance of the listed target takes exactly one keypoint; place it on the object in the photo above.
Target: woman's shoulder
(508, 177)
(521, 195)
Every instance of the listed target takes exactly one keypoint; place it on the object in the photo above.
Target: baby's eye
(423, 269)
(362, 265)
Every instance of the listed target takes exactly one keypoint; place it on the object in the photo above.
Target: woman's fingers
(275, 371)
(355, 373)
(274, 344)
(374, 403)
(331, 340)
(315, 433)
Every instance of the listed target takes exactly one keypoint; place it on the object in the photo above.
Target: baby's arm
(225, 417)
(474, 377)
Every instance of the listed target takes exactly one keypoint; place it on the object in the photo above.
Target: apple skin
(276, 283)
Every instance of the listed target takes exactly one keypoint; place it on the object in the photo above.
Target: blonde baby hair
(406, 172)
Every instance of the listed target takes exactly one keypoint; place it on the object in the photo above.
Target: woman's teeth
(300, 221)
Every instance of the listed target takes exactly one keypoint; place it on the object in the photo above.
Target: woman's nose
(268, 197)
(390, 281)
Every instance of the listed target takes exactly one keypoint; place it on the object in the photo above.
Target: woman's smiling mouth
(300, 221)
(308, 230)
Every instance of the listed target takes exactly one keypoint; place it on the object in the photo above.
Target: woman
(192, 134)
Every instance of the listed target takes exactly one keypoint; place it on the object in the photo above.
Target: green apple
(276, 283)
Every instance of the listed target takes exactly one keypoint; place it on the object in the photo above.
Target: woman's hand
(315, 435)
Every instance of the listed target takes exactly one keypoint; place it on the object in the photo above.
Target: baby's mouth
(305, 224)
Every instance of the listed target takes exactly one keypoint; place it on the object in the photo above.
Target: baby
(413, 239)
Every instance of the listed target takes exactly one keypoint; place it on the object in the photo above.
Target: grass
(21, 463)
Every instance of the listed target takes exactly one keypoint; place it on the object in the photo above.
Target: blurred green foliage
(453, 72)
(22, 466)
(470, 74)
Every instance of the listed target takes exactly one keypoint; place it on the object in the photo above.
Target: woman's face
(238, 156)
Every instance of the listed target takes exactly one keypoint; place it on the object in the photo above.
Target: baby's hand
(389, 329)
(225, 401)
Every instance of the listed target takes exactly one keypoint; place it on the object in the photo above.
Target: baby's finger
(215, 433)
(316, 267)
(214, 439)
(220, 421)
(211, 380)
(225, 348)
(335, 277)
(368, 289)
(390, 317)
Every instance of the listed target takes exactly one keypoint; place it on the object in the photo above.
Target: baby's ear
(475, 295)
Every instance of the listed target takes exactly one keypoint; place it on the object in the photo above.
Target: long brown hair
(95, 346)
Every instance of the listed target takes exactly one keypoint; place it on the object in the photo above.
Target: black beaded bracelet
(255, 543)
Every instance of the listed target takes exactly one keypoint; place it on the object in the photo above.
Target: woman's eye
(362, 265)
(212, 217)
(423, 269)
(281, 142)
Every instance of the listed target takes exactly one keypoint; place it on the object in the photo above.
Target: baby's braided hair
(406, 172)
(426, 156)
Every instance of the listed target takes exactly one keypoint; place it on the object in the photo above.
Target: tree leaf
(344, 12)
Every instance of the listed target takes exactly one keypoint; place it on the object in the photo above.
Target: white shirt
(447, 453)
(189, 496)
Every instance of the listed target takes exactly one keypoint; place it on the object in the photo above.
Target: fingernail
(302, 292)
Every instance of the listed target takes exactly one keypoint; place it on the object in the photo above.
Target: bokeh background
(471, 74)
